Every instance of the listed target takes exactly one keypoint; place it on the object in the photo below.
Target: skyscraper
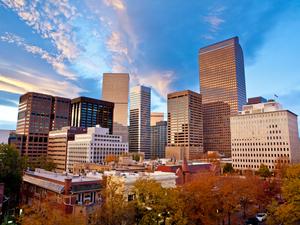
(89, 112)
(223, 89)
(156, 117)
(115, 88)
(222, 75)
(185, 125)
(159, 139)
(139, 129)
(38, 114)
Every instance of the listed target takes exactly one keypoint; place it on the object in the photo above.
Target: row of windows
(259, 144)
(261, 160)
(261, 155)
(259, 149)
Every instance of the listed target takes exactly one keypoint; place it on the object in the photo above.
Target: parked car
(252, 221)
(261, 216)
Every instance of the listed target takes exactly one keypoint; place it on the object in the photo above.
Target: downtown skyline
(65, 48)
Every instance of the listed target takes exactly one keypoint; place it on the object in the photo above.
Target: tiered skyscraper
(115, 88)
(139, 129)
(223, 89)
(185, 125)
(38, 114)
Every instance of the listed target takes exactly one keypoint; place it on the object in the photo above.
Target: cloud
(52, 21)
(160, 82)
(9, 113)
(56, 62)
(214, 20)
(21, 80)
(116, 4)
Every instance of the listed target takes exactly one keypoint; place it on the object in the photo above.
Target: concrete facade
(266, 134)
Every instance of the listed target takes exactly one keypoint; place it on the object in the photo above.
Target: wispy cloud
(55, 61)
(214, 19)
(51, 20)
(21, 80)
(116, 4)
(160, 81)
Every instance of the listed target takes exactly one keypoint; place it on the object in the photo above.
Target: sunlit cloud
(52, 21)
(56, 62)
(116, 4)
(19, 81)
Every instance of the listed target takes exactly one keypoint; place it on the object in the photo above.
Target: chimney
(68, 186)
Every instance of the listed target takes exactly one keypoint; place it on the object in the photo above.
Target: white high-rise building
(139, 129)
(94, 147)
(115, 88)
(264, 133)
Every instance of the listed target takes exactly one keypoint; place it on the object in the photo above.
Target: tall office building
(185, 125)
(222, 83)
(139, 129)
(89, 112)
(115, 88)
(58, 145)
(264, 133)
(156, 117)
(38, 114)
(159, 139)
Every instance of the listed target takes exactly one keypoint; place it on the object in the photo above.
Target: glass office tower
(223, 89)
(89, 112)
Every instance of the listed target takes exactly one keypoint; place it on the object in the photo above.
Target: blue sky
(63, 47)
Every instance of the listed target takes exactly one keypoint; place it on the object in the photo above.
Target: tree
(157, 205)
(201, 199)
(115, 210)
(111, 158)
(45, 213)
(228, 168)
(287, 213)
(11, 168)
(43, 162)
(264, 171)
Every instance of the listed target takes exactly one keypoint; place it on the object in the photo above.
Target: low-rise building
(264, 133)
(58, 145)
(125, 181)
(71, 194)
(94, 147)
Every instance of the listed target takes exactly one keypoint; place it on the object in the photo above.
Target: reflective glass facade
(89, 112)
(185, 125)
(38, 114)
(222, 79)
(139, 129)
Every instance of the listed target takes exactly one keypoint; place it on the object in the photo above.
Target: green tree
(11, 169)
(43, 162)
(264, 171)
(228, 168)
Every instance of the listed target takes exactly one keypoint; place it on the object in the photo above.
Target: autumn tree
(201, 200)
(115, 209)
(45, 213)
(287, 213)
(111, 158)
